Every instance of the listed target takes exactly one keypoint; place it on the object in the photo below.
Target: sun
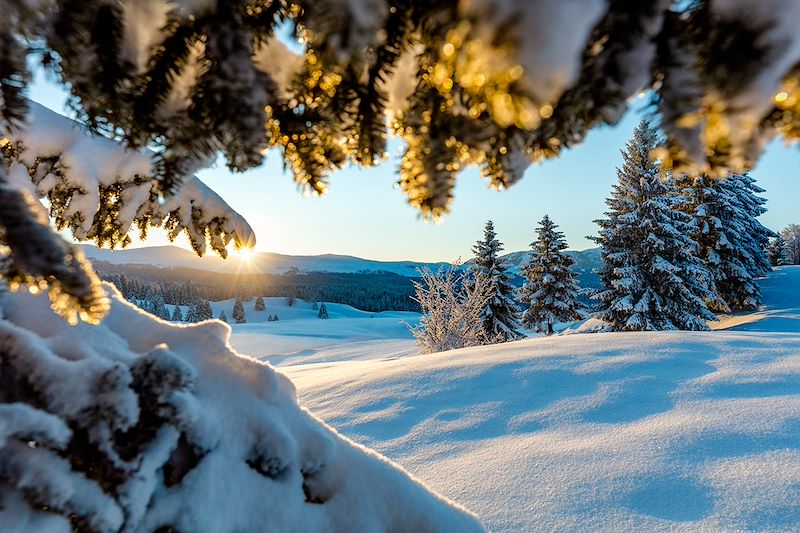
(244, 254)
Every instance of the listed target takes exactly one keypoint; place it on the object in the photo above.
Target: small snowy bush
(452, 310)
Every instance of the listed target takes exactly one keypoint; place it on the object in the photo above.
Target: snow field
(598, 432)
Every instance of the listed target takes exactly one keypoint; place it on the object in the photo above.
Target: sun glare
(245, 254)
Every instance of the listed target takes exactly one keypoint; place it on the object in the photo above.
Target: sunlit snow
(610, 431)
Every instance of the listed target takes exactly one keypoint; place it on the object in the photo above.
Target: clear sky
(365, 215)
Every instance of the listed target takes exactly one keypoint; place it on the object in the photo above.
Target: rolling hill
(272, 263)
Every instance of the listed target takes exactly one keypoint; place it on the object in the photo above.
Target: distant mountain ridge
(273, 263)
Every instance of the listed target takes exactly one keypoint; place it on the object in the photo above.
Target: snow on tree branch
(101, 191)
(492, 83)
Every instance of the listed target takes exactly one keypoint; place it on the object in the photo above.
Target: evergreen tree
(777, 252)
(202, 311)
(159, 308)
(731, 240)
(238, 312)
(551, 291)
(500, 318)
(177, 315)
(323, 311)
(259, 306)
(223, 316)
(753, 206)
(651, 274)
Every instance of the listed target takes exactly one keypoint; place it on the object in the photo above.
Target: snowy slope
(300, 337)
(616, 431)
(781, 312)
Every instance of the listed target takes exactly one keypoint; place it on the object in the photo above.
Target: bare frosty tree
(451, 309)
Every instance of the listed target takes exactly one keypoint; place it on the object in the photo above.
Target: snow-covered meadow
(609, 431)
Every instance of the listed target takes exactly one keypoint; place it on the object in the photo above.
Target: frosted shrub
(451, 310)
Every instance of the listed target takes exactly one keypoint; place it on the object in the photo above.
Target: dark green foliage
(776, 253)
(731, 241)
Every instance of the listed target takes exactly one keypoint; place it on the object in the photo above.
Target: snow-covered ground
(300, 337)
(608, 431)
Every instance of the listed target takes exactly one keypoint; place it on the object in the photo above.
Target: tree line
(151, 287)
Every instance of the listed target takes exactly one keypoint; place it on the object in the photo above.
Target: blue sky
(365, 215)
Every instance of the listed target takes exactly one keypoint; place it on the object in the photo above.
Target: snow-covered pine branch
(492, 83)
(100, 191)
(452, 305)
(551, 289)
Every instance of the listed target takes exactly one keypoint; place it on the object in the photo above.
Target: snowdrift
(689, 431)
(138, 424)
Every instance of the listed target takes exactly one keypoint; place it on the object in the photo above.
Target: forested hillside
(369, 291)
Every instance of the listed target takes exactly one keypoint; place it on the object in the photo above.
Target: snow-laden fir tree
(452, 306)
(202, 311)
(259, 305)
(500, 317)
(177, 315)
(776, 253)
(323, 311)
(652, 277)
(238, 312)
(159, 307)
(731, 240)
(753, 205)
(551, 289)
(223, 316)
